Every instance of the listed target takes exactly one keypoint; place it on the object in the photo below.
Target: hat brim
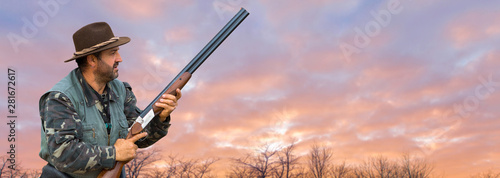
(121, 41)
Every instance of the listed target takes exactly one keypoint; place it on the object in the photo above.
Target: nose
(118, 58)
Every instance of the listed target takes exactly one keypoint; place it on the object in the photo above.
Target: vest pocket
(123, 128)
(89, 134)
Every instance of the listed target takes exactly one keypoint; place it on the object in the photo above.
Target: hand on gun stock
(126, 148)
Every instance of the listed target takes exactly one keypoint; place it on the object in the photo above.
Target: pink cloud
(473, 27)
(135, 10)
(179, 35)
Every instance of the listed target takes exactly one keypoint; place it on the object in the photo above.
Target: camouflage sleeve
(155, 129)
(63, 130)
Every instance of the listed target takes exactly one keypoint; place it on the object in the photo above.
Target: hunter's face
(107, 67)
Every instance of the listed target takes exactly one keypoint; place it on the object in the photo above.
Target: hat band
(86, 50)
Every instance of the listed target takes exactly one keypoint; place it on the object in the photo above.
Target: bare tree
(300, 171)
(143, 159)
(157, 173)
(172, 166)
(241, 171)
(287, 162)
(4, 165)
(186, 168)
(203, 168)
(384, 168)
(17, 172)
(488, 174)
(10, 170)
(262, 164)
(378, 167)
(175, 167)
(168, 170)
(31, 173)
(414, 167)
(339, 171)
(319, 160)
(180, 167)
(363, 170)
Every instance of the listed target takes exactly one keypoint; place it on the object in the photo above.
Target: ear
(92, 61)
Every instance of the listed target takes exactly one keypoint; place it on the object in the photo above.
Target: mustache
(115, 65)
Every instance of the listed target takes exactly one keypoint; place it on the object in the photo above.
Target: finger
(166, 106)
(166, 112)
(179, 94)
(119, 140)
(167, 103)
(169, 97)
(138, 136)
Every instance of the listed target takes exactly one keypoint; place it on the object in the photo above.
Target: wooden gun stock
(117, 169)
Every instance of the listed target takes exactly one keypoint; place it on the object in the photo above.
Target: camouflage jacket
(63, 129)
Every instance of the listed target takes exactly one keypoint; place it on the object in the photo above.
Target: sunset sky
(366, 78)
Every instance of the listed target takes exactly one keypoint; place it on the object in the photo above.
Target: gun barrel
(205, 52)
(217, 40)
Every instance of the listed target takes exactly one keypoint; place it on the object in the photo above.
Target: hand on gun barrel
(168, 103)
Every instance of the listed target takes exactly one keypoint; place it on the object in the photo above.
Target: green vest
(94, 129)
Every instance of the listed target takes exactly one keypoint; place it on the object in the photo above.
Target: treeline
(319, 162)
(18, 170)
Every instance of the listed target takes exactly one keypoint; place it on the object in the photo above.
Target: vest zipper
(93, 132)
(108, 139)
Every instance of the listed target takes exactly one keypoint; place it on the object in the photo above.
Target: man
(86, 115)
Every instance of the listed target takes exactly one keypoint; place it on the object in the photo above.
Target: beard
(105, 73)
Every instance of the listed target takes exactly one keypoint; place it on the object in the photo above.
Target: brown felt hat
(93, 38)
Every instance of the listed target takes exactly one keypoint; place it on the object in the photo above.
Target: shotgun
(178, 82)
